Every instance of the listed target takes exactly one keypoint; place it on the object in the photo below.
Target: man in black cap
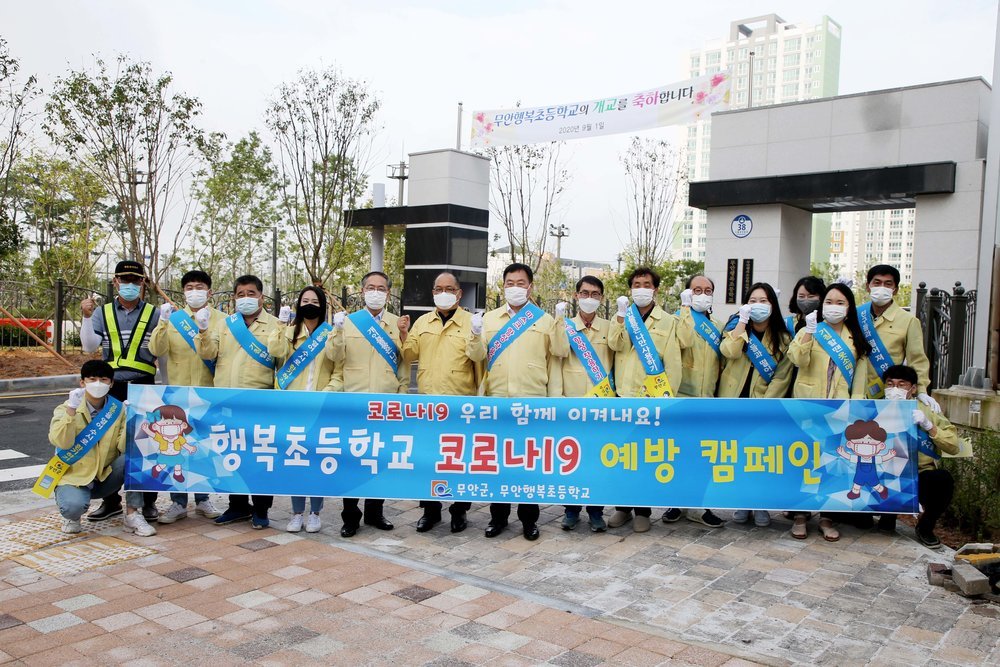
(122, 329)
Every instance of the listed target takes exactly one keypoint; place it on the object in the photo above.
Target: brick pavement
(680, 594)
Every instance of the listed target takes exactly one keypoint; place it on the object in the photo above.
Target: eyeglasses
(383, 290)
(449, 290)
(589, 295)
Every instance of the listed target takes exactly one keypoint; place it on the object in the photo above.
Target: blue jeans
(182, 498)
(299, 505)
(73, 501)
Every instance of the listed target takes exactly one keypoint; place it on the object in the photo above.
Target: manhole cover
(4, 412)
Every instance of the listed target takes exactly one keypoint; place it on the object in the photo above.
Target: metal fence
(947, 324)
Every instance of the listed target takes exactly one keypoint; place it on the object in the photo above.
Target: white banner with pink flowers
(673, 104)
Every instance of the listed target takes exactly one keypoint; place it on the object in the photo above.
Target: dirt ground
(25, 362)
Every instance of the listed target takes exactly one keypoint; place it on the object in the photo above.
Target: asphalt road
(24, 437)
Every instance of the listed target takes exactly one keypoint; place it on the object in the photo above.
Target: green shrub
(14, 336)
(976, 506)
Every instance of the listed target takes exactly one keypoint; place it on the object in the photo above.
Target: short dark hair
(883, 270)
(644, 271)
(901, 372)
(249, 280)
(197, 276)
(517, 266)
(364, 278)
(813, 285)
(590, 280)
(96, 368)
(690, 280)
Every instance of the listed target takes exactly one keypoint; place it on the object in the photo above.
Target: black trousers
(352, 515)
(119, 390)
(591, 509)
(432, 508)
(261, 504)
(935, 489)
(639, 511)
(527, 513)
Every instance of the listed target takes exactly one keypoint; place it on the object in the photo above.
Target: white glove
(622, 306)
(285, 314)
(744, 313)
(922, 420)
(561, 310)
(202, 317)
(338, 320)
(929, 402)
(686, 298)
(76, 398)
(165, 311)
(811, 322)
(477, 324)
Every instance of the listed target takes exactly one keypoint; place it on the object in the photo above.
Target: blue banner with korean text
(775, 454)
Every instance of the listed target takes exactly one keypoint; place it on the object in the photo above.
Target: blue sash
(591, 363)
(656, 384)
(303, 356)
(790, 325)
(759, 356)
(248, 342)
(707, 330)
(373, 332)
(188, 330)
(503, 339)
(835, 347)
(925, 446)
(879, 356)
(98, 427)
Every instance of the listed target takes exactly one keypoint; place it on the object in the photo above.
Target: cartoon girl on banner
(866, 439)
(167, 426)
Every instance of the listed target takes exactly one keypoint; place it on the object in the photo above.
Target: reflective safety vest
(130, 359)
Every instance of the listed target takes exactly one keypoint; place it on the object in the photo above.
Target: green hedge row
(976, 506)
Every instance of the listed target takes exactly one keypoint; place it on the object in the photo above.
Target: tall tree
(16, 96)
(525, 186)
(324, 124)
(238, 205)
(656, 183)
(140, 139)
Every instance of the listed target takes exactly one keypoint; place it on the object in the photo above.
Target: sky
(424, 57)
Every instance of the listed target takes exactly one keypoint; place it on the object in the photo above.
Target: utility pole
(559, 232)
(458, 129)
(750, 84)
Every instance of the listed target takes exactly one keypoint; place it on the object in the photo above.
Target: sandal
(799, 529)
(830, 534)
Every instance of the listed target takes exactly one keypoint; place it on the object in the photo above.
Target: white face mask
(642, 296)
(516, 296)
(445, 301)
(834, 314)
(589, 306)
(896, 394)
(375, 300)
(881, 296)
(196, 298)
(864, 449)
(701, 302)
(170, 430)
(247, 305)
(97, 389)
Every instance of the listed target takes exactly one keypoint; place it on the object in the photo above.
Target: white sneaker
(313, 524)
(71, 527)
(173, 513)
(206, 509)
(294, 524)
(136, 523)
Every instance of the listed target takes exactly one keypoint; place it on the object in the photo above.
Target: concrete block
(936, 573)
(977, 548)
(970, 580)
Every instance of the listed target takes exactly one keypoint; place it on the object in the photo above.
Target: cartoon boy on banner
(167, 426)
(866, 439)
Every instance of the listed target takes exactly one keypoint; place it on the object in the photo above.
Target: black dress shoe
(348, 531)
(530, 532)
(495, 529)
(425, 523)
(107, 510)
(458, 523)
(381, 523)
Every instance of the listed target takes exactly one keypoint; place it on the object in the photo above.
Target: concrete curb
(16, 385)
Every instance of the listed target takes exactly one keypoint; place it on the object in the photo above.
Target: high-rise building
(772, 61)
